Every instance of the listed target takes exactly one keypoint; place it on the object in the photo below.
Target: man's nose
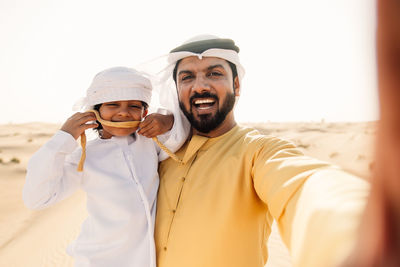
(200, 84)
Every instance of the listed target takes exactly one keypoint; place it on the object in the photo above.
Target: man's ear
(236, 86)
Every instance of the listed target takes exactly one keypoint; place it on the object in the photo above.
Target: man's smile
(203, 103)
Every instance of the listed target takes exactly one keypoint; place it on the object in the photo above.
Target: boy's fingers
(78, 123)
(153, 132)
(91, 125)
(147, 121)
(86, 118)
(150, 132)
(89, 114)
(146, 124)
(82, 118)
(149, 135)
(145, 130)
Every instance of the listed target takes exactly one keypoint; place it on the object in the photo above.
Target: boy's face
(117, 111)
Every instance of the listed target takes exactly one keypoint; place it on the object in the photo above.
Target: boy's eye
(135, 106)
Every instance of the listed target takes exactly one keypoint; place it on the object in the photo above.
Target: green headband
(199, 47)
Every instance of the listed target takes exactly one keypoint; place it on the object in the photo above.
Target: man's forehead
(204, 62)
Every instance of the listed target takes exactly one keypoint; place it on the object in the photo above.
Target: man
(217, 206)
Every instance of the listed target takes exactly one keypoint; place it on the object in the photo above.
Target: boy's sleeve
(51, 176)
(176, 137)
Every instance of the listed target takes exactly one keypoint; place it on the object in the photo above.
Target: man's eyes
(186, 77)
(214, 74)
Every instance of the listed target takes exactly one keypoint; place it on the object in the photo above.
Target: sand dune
(39, 238)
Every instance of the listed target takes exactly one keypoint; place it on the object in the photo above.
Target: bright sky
(305, 60)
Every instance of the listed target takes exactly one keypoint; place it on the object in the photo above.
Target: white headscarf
(116, 84)
(227, 54)
(162, 68)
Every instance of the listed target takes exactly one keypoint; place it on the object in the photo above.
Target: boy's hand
(76, 124)
(155, 124)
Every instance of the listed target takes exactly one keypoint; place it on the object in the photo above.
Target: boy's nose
(123, 111)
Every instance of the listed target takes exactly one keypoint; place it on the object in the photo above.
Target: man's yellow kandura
(119, 124)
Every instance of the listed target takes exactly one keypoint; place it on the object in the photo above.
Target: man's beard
(208, 122)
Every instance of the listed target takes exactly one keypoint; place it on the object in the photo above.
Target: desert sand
(39, 238)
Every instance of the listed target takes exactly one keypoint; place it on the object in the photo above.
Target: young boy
(119, 175)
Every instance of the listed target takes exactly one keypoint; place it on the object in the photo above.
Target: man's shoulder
(252, 135)
(256, 143)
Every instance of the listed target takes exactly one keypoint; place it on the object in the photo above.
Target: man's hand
(155, 124)
(379, 239)
(76, 124)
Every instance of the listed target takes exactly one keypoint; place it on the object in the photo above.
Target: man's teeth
(204, 101)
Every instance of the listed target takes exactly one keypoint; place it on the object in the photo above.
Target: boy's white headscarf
(116, 84)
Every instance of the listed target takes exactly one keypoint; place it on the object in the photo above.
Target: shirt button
(165, 248)
(173, 211)
(183, 179)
